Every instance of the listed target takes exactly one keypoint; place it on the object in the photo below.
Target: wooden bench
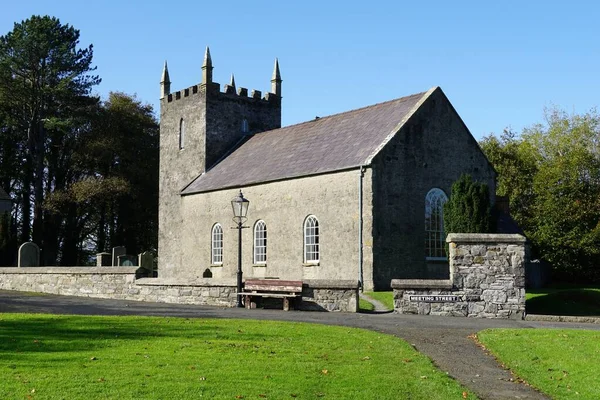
(276, 288)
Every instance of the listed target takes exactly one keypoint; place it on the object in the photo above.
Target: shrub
(468, 210)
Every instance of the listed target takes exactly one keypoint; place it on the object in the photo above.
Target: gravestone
(146, 261)
(103, 260)
(126, 261)
(29, 255)
(116, 252)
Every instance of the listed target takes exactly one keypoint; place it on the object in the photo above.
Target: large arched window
(311, 239)
(216, 245)
(260, 242)
(434, 224)
(181, 134)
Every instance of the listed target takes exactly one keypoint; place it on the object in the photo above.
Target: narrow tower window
(181, 134)
(245, 127)
(434, 224)
(260, 242)
(217, 245)
(311, 240)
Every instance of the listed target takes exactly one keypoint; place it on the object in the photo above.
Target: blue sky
(500, 63)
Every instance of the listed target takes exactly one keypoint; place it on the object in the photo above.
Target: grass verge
(82, 357)
(365, 306)
(562, 363)
(576, 301)
(386, 298)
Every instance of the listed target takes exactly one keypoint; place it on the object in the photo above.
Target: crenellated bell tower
(200, 125)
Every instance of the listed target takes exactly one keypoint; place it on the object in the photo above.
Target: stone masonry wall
(323, 295)
(487, 279)
(115, 283)
(121, 283)
(283, 206)
(431, 150)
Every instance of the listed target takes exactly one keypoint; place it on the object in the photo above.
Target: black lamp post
(240, 210)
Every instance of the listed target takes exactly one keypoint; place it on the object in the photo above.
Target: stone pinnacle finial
(276, 79)
(165, 74)
(207, 68)
(232, 81)
(165, 82)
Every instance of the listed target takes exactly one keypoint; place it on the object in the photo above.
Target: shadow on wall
(438, 269)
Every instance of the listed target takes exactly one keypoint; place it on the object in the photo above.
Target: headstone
(116, 252)
(103, 260)
(29, 255)
(126, 261)
(146, 261)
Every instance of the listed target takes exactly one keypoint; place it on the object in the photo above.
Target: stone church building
(355, 196)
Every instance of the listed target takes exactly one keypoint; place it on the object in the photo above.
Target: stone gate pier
(487, 279)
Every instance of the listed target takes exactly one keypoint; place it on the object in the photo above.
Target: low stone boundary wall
(206, 292)
(329, 295)
(109, 282)
(116, 283)
(121, 283)
(487, 279)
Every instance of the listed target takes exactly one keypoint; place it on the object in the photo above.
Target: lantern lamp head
(239, 204)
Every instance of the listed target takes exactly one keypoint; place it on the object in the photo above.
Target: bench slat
(273, 285)
(273, 288)
(279, 295)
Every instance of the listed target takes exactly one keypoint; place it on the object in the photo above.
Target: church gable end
(430, 151)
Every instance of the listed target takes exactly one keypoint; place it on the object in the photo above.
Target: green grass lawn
(365, 306)
(80, 357)
(577, 301)
(564, 364)
(386, 298)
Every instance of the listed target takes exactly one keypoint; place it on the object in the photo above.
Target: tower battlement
(228, 91)
(208, 87)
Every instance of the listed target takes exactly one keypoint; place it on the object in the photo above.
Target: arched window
(311, 239)
(434, 224)
(181, 134)
(260, 242)
(245, 126)
(217, 245)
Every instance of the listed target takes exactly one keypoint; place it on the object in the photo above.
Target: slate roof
(326, 144)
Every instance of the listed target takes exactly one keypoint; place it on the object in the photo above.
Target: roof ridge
(344, 112)
(344, 140)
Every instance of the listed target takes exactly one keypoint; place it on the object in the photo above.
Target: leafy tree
(84, 174)
(113, 196)
(551, 173)
(515, 163)
(45, 87)
(468, 210)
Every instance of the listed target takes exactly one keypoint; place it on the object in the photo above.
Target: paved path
(444, 339)
(379, 307)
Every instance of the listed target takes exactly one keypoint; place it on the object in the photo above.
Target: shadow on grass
(572, 302)
(32, 334)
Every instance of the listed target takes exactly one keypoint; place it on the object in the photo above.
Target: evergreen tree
(45, 93)
(468, 210)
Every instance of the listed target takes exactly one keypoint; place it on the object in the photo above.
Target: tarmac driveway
(444, 339)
